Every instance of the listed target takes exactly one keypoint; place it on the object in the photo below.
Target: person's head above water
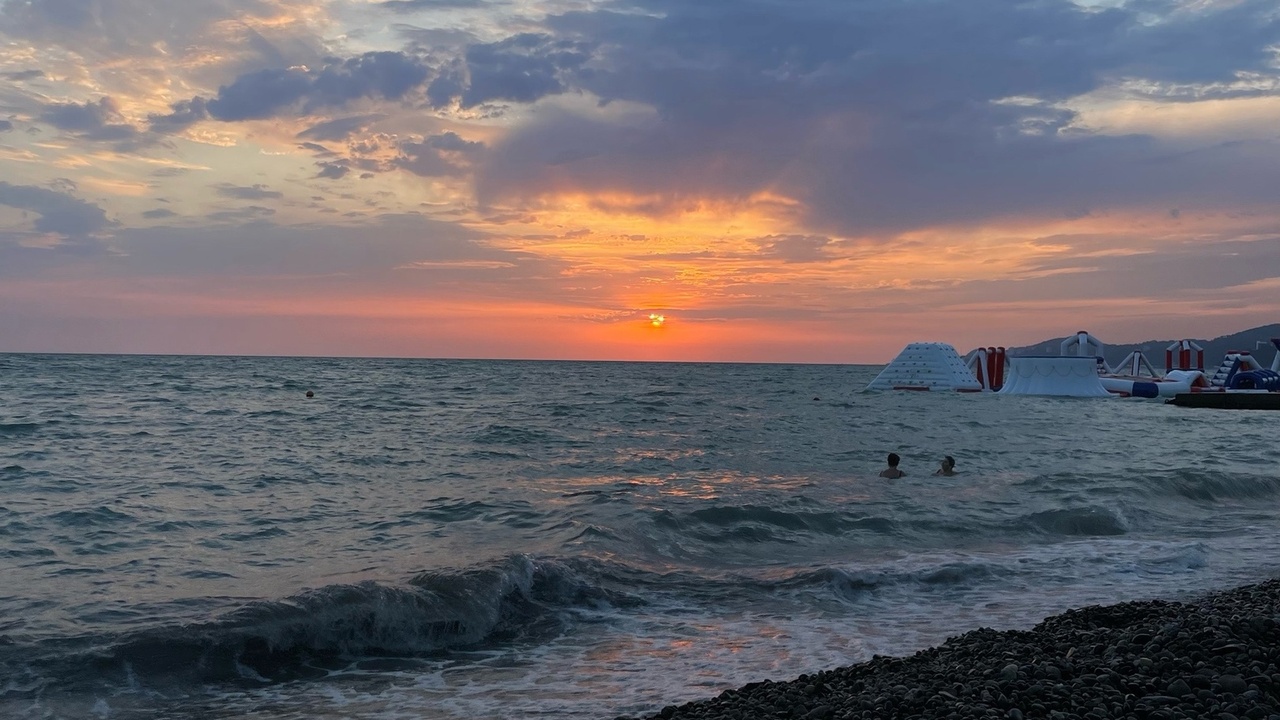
(894, 459)
(948, 466)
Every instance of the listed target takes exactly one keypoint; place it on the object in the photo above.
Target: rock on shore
(1215, 657)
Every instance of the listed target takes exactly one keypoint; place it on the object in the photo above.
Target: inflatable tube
(1147, 388)
(1255, 380)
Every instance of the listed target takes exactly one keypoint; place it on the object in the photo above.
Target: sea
(194, 537)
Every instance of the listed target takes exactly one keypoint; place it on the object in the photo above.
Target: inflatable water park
(1080, 370)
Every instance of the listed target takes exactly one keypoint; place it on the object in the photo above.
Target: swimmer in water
(892, 472)
(948, 466)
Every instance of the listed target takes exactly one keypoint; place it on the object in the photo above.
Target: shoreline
(1213, 656)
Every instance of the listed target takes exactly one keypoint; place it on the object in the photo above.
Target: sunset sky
(778, 180)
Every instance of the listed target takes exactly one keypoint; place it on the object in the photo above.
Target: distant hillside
(1154, 349)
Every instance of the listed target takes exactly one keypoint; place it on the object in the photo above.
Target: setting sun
(656, 320)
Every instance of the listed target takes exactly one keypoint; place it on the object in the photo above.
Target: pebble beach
(1214, 657)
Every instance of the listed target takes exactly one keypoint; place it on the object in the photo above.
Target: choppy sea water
(192, 537)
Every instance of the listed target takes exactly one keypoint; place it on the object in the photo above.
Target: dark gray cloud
(387, 75)
(521, 68)
(73, 116)
(332, 170)
(1205, 47)
(91, 120)
(58, 212)
(446, 154)
(318, 149)
(263, 93)
(339, 129)
(159, 213)
(183, 115)
(452, 142)
(448, 86)
(6, 126)
(22, 75)
(249, 192)
(878, 115)
(259, 94)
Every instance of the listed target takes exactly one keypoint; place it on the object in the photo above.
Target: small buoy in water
(310, 394)
(815, 397)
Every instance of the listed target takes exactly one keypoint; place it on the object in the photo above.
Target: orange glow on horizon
(604, 286)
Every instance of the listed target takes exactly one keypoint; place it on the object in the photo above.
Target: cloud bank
(748, 167)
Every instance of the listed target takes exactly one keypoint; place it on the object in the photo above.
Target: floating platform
(1228, 400)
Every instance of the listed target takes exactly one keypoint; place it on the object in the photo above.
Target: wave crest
(1082, 521)
(755, 523)
(1216, 486)
(310, 634)
(856, 584)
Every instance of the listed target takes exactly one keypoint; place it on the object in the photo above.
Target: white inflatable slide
(1071, 376)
